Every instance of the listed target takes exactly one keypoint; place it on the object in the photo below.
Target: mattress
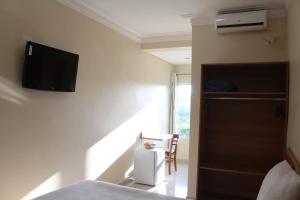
(96, 190)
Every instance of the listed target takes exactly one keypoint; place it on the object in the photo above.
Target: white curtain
(176, 79)
(173, 88)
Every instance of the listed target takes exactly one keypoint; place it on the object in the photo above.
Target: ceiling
(148, 21)
(176, 56)
(159, 20)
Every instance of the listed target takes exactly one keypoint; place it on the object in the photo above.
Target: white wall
(294, 58)
(209, 47)
(52, 139)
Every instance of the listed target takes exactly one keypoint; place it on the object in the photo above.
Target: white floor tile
(174, 184)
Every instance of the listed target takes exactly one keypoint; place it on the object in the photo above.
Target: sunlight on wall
(10, 92)
(104, 153)
(129, 172)
(51, 184)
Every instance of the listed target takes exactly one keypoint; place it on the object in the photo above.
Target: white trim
(167, 38)
(168, 49)
(90, 12)
(84, 9)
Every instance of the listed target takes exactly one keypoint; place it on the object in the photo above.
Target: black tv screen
(47, 68)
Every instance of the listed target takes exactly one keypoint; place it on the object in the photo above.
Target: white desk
(159, 137)
(149, 165)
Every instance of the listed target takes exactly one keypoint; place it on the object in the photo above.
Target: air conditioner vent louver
(241, 21)
(241, 25)
(240, 10)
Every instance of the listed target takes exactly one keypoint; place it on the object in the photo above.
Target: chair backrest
(173, 143)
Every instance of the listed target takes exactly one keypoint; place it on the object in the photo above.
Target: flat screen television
(47, 68)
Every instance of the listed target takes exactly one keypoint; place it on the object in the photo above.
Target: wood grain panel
(242, 133)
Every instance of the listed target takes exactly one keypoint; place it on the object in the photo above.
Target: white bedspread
(95, 190)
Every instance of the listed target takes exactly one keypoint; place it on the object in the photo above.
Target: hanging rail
(246, 98)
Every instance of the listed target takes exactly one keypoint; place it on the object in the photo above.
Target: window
(183, 108)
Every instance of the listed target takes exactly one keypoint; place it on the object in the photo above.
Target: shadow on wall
(127, 169)
(111, 154)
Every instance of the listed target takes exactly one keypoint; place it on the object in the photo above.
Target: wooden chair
(171, 152)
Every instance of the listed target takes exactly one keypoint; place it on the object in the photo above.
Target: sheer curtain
(173, 88)
(176, 80)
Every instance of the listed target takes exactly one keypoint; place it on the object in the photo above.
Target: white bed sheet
(96, 190)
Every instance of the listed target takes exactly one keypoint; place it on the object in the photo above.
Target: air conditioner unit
(241, 21)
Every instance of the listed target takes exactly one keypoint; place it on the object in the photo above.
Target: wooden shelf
(245, 94)
(213, 196)
(223, 184)
(233, 171)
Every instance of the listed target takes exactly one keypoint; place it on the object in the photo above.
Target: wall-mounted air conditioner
(241, 21)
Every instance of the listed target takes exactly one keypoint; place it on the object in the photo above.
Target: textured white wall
(49, 138)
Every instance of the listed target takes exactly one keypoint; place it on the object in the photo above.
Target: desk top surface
(160, 137)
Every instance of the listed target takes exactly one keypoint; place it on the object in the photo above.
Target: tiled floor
(174, 184)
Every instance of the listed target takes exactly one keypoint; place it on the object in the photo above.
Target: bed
(281, 183)
(96, 190)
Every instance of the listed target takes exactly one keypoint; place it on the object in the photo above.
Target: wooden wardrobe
(242, 132)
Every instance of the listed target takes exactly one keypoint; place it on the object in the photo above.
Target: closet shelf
(215, 196)
(281, 95)
(238, 171)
